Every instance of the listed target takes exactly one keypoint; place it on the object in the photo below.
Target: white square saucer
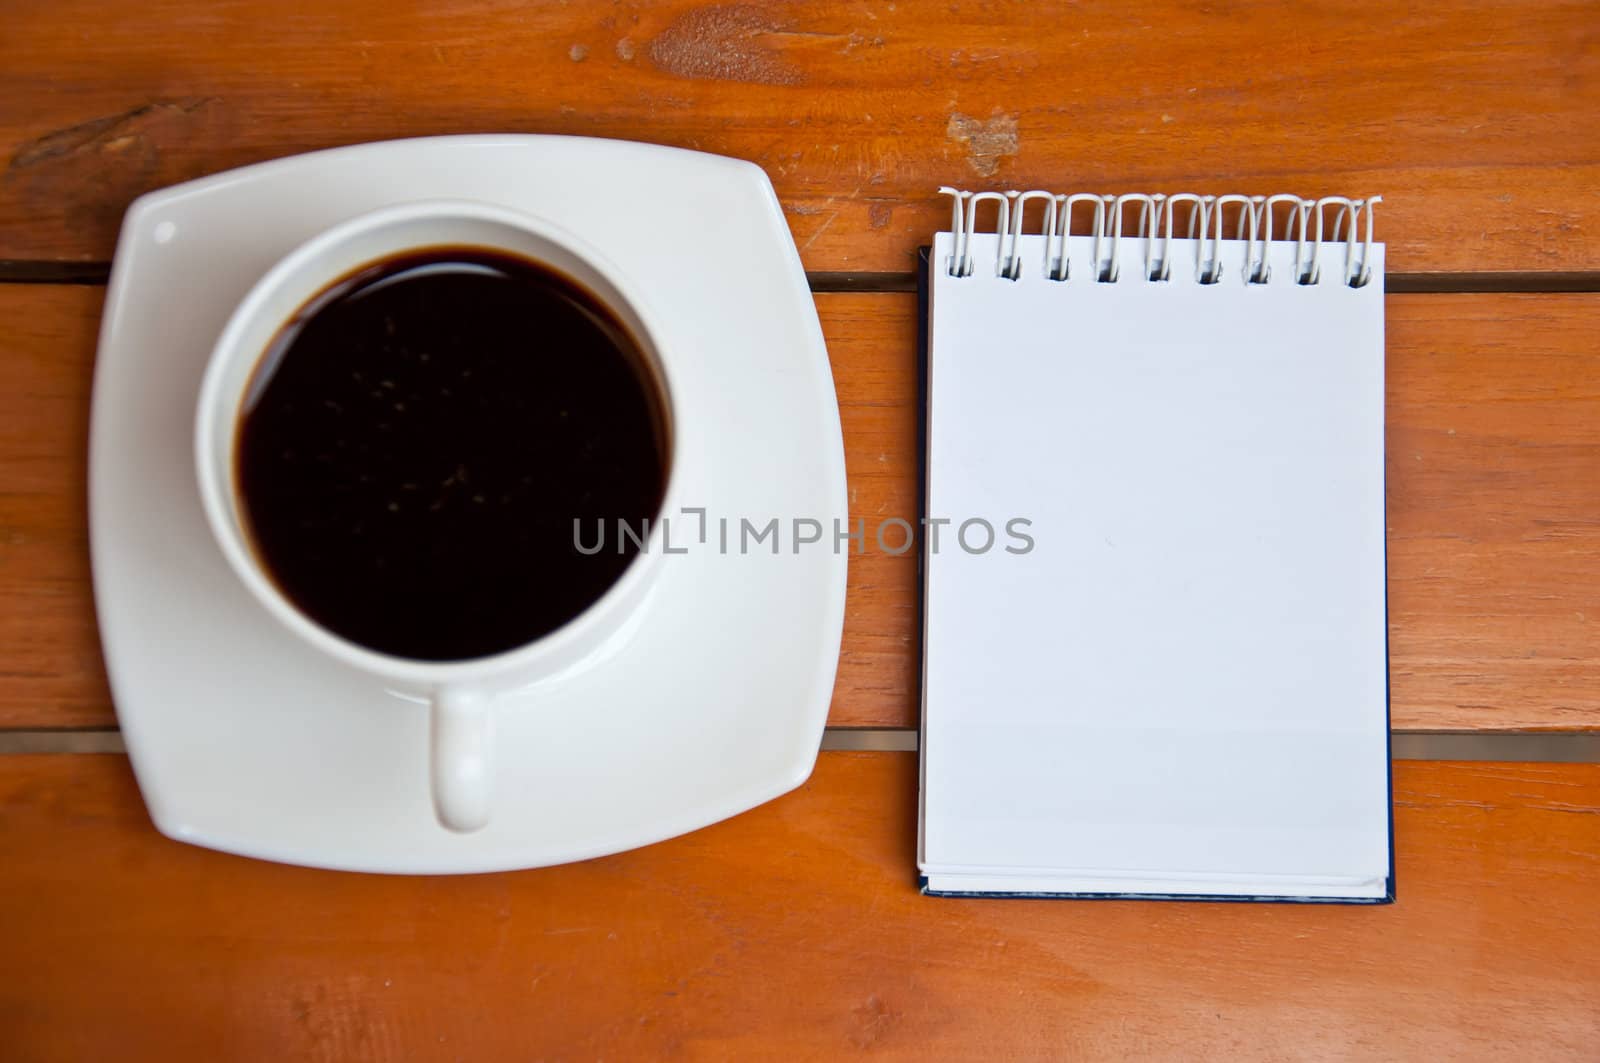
(244, 739)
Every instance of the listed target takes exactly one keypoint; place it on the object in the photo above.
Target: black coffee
(418, 441)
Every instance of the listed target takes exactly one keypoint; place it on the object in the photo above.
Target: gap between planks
(21, 271)
(1544, 747)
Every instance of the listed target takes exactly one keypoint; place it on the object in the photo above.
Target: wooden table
(795, 931)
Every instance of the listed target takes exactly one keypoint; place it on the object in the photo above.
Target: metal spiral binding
(1259, 222)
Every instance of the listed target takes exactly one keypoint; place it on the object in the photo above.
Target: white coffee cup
(462, 694)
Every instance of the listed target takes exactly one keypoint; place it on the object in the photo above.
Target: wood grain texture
(872, 342)
(1494, 509)
(1479, 124)
(791, 932)
(51, 672)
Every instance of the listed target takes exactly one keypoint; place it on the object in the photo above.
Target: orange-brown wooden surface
(51, 674)
(1480, 123)
(1493, 425)
(792, 932)
(1494, 509)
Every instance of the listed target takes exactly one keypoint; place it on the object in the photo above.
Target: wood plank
(1479, 125)
(51, 672)
(872, 342)
(1494, 510)
(1494, 491)
(791, 932)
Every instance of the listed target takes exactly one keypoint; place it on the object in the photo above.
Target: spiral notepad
(1155, 642)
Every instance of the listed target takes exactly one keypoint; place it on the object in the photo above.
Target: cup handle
(462, 758)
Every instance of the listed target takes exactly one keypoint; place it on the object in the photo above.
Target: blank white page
(1182, 688)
